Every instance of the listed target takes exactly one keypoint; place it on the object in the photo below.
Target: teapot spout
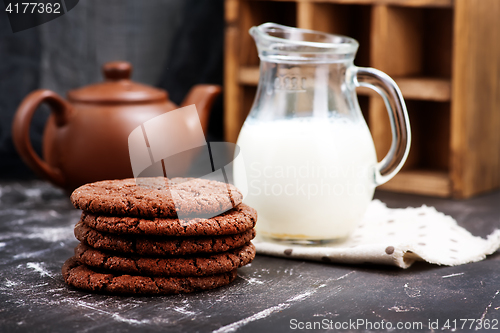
(203, 96)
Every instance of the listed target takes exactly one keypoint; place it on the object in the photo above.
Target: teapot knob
(117, 70)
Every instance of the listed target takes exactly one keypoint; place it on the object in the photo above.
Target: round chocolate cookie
(185, 266)
(157, 197)
(234, 221)
(82, 277)
(160, 246)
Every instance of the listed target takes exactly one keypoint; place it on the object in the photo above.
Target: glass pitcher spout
(279, 43)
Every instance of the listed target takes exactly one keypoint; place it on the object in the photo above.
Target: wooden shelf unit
(443, 54)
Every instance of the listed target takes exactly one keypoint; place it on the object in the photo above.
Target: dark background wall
(172, 44)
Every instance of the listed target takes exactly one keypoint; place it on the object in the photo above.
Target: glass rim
(346, 45)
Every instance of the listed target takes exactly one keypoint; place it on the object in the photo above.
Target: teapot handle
(400, 124)
(21, 134)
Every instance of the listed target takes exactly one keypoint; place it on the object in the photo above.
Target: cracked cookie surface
(160, 246)
(180, 266)
(157, 197)
(234, 221)
(81, 276)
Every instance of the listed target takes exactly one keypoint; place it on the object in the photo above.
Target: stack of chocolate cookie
(162, 237)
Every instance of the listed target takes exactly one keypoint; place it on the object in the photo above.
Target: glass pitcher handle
(400, 124)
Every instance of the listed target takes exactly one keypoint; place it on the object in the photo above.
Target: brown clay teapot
(86, 137)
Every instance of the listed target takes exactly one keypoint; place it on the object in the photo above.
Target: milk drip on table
(309, 160)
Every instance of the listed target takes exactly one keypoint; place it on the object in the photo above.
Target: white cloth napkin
(396, 237)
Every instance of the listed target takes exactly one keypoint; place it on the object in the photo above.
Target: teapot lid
(117, 88)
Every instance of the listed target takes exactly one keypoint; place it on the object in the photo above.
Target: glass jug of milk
(309, 158)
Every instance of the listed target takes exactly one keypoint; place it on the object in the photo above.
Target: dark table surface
(270, 295)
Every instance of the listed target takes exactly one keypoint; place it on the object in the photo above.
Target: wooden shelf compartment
(249, 75)
(405, 3)
(412, 42)
(424, 182)
(240, 50)
(420, 88)
(435, 51)
(430, 128)
(253, 13)
(413, 45)
(353, 20)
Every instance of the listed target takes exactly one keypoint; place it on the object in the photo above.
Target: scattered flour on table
(411, 291)
(259, 315)
(115, 316)
(184, 310)
(401, 308)
(13, 211)
(451, 275)
(326, 314)
(39, 268)
(119, 318)
(33, 192)
(304, 295)
(252, 280)
(51, 234)
(269, 311)
(8, 283)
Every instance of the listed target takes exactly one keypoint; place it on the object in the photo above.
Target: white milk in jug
(309, 179)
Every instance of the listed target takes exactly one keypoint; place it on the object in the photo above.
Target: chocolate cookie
(185, 266)
(234, 221)
(160, 246)
(82, 277)
(157, 197)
